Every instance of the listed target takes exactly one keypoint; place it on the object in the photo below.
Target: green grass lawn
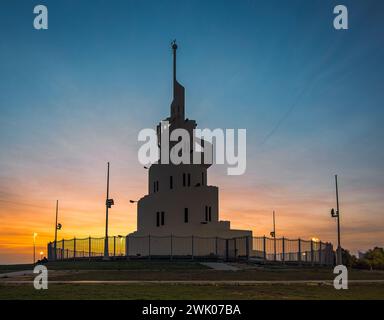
(194, 292)
(214, 275)
(185, 270)
(126, 265)
(14, 267)
(166, 270)
(109, 265)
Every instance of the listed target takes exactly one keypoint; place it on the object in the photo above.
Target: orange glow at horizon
(82, 214)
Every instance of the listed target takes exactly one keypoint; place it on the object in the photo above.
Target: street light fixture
(108, 204)
(58, 227)
(273, 235)
(34, 247)
(336, 214)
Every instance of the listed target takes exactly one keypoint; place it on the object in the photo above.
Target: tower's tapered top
(174, 48)
(177, 106)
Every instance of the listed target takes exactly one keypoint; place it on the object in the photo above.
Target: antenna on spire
(177, 106)
(174, 48)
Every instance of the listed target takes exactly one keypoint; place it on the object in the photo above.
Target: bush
(373, 259)
(348, 259)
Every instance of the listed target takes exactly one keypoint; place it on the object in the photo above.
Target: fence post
(193, 248)
(62, 248)
(299, 251)
(171, 246)
(325, 255)
(74, 248)
(274, 249)
(312, 251)
(329, 250)
(226, 249)
(52, 252)
(89, 247)
(283, 251)
(127, 246)
(149, 247)
(235, 247)
(247, 246)
(265, 249)
(49, 250)
(114, 246)
(216, 252)
(320, 253)
(55, 252)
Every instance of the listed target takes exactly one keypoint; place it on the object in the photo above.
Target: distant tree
(375, 258)
(363, 264)
(348, 259)
(372, 259)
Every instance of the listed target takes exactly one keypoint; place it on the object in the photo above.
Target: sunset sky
(76, 95)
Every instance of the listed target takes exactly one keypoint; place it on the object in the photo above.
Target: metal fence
(261, 249)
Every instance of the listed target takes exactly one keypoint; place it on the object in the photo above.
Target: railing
(262, 249)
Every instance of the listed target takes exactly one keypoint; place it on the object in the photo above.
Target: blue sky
(75, 96)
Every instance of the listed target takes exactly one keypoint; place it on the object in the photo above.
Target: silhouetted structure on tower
(179, 200)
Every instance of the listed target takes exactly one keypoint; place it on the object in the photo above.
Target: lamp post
(108, 204)
(57, 227)
(337, 215)
(273, 235)
(34, 247)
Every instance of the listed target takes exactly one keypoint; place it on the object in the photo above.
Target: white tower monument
(180, 201)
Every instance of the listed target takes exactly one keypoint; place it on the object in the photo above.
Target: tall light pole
(34, 247)
(337, 215)
(273, 234)
(108, 204)
(56, 228)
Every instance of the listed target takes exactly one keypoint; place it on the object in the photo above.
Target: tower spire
(174, 48)
(177, 106)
